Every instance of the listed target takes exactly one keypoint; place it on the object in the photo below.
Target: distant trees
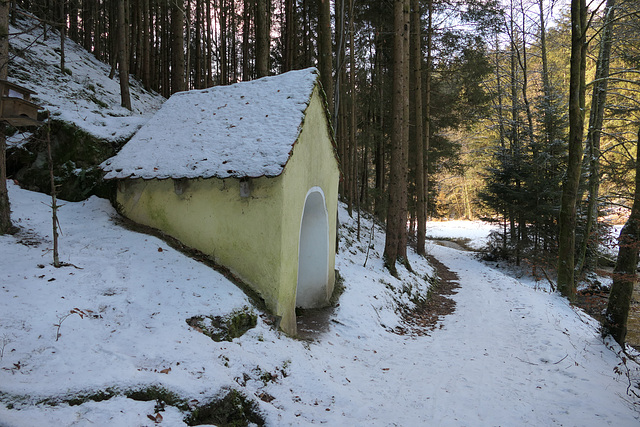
(528, 128)
(455, 106)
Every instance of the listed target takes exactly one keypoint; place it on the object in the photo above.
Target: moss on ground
(232, 410)
(225, 328)
(76, 156)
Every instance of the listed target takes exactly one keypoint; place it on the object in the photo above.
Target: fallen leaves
(157, 418)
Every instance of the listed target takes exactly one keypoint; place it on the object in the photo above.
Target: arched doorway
(313, 252)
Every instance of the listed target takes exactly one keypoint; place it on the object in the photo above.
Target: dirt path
(424, 317)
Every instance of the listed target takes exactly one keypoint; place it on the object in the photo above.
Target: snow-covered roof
(247, 129)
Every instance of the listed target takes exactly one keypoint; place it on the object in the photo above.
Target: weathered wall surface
(241, 233)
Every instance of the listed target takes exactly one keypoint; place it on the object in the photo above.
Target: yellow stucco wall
(257, 236)
(209, 215)
(313, 164)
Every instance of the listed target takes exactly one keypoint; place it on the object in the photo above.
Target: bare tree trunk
(625, 273)
(596, 118)
(380, 200)
(198, 45)
(263, 37)
(177, 48)
(353, 143)
(5, 209)
(403, 242)
(427, 103)
(246, 23)
(324, 50)
(209, 46)
(224, 13)
(54, 202)
(416, 58)
(63, 33)
(187, 60)
(123, 54)
(567, 219)
(87, 26)
(233, 62)
(288, 35)
(73, 20)
(146, 44)
(396, 212)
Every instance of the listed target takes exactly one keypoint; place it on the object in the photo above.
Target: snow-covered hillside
(510, 354)
(78, 342)
(83, 94)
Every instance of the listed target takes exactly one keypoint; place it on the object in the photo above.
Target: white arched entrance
(313, 252)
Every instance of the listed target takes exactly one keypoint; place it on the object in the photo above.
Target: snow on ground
(476, 231)
(83, 95)
(508, 355)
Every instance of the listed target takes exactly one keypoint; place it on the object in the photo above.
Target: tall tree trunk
(98, 26)
(233, 62)
(379, 157)
(54, 201)
(246, 24)
(63, 32)
(427, 103)
(146, 44)
(396, 212)
(177, 48)
(73, 20)
(288, 35)
(416, 58)
(596, 118)
(339, 121)
(198, 45)
(188, 47)
(403, 241)
(625, 273)
(263, 37)
(224, 71)
(567, 219)
(209, 46)
(324, 51)
(87, 26)
(353, 143)
(339, 54)
(123, 54)
(5, 209)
